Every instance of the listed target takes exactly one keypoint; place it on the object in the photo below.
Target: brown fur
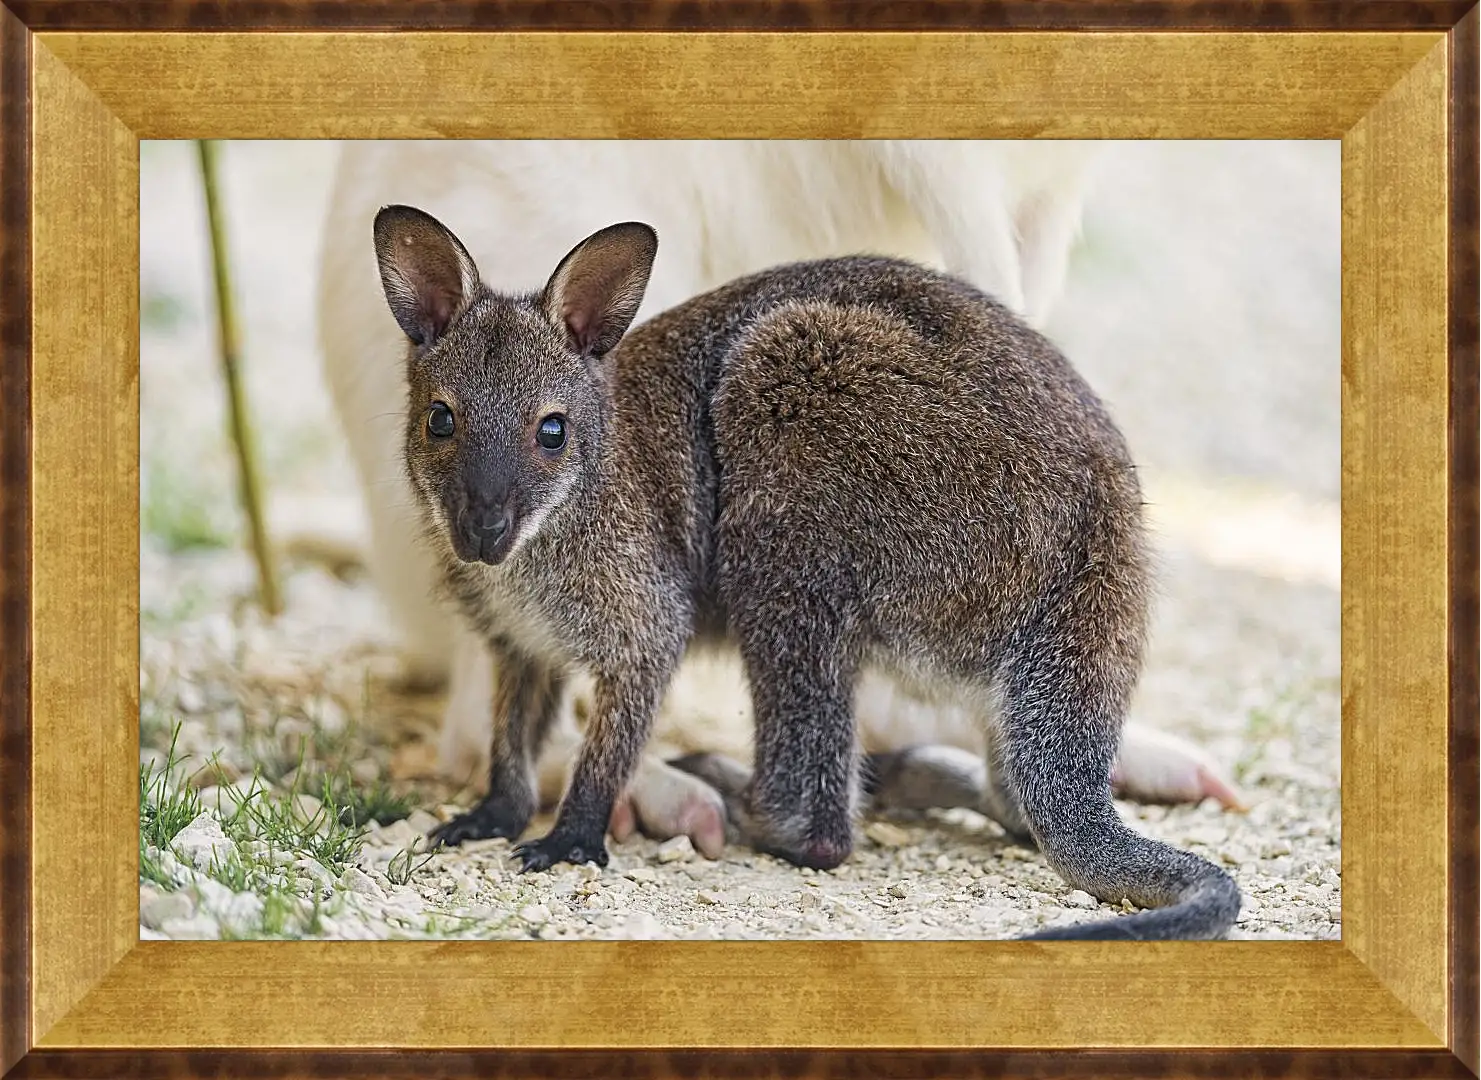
(834, 466)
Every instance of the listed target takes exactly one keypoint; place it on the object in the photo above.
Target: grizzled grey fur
(831, 465)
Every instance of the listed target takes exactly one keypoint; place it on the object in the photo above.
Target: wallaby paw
(494, 817)
(814, 853)
(624, 820)
(814, 845)
(664, 802)
(1157, 767)
(559, 847)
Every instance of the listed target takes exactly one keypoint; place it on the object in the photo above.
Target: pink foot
(663, 802)
(1155, 767)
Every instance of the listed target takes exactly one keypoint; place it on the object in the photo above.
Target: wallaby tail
(1066, 691)
(1191, 899)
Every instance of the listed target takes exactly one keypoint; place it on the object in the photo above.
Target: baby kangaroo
(836, 466)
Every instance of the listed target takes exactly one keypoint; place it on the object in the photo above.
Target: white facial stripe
(531, 525)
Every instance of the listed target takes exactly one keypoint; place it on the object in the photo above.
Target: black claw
(542, 854)
(487, 820)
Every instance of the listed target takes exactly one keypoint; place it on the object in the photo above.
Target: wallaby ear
(597, 288)
(428, 275)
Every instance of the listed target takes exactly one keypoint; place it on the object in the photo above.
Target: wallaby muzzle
(483, 526)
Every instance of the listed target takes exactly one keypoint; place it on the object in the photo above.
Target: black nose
(489, 525)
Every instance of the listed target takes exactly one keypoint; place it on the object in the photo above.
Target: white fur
(1003, 215)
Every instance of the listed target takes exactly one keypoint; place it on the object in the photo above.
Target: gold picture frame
(83, 82)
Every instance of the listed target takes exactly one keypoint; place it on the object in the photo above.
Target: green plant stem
(241, 429)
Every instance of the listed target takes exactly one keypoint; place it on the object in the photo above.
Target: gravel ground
(1203, 305)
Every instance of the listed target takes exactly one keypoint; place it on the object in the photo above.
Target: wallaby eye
(552, 433)
(440, 420)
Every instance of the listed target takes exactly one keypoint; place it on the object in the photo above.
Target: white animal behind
(1003, 215)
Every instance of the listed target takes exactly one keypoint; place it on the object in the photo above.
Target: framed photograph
(278, 276)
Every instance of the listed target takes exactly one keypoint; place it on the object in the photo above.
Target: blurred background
(1203, 304)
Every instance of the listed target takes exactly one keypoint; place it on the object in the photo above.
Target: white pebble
(398, 834)
(202, 840)
(643, 875)
(198, 927)
(1079, 899)
(899, 891)
(360, 882)
(886, 835)
(676, 849)
(190, 698)
(420, 822)
(308, 808)
(213, 895)
(242, 911)
(478, 847)
(314, 869)
(166, 907)
(535, 914)
(641, 926)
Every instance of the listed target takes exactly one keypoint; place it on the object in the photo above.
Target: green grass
(155, 726)
(378, 802)
(277, 909)
(440, 924)
(151, 871)
(162, 312)
(232, 872)
(311, 758)
(330, 835)
(165, 809)
(315, 922)
(189, 600)
(284, 915)
(403, 864)
(322, 766)
(182, 511)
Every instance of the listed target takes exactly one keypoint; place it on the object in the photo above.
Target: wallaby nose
(490, 525)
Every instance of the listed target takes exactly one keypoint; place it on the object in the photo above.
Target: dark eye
(552, 433)
(440, 420)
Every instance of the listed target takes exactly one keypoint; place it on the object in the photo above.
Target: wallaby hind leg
(1066, 689)
(800, 802)
(932, 776)
(1000, 801)
(928, 776)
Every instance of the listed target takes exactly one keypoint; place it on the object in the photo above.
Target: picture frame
(84, 81)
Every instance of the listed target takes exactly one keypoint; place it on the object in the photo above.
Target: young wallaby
(837, 466)
(1002, 214)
